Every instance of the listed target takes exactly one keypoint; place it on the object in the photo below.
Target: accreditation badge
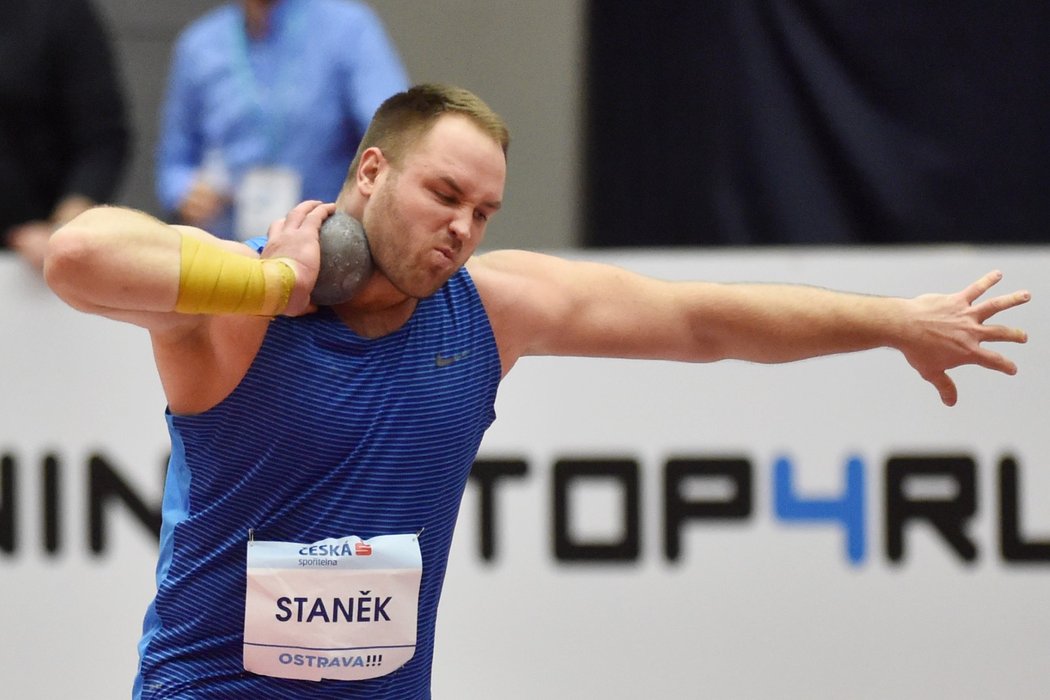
(342, 609)
(264, 195)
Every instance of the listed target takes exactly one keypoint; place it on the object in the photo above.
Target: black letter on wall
(621, 470)
(947, 515)
(52, 501)
(677, 510)
(1012, 546)
(103, 484)
(487, 472)
(8, 541)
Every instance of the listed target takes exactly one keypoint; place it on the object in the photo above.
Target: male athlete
(319, 454)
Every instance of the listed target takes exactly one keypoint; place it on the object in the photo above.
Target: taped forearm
(217, 281)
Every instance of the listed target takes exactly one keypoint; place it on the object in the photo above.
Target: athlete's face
(427, 215)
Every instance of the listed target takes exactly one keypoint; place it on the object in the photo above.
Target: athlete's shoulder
(515, 271)
(515, 285)
(511, 261)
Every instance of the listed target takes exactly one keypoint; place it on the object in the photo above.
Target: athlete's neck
(372, 321)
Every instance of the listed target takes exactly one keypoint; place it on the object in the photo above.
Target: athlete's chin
(433, 288)
(421, 288)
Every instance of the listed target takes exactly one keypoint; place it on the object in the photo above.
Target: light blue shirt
(300, 97)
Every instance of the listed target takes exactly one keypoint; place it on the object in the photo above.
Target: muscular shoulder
(514, 277)
(545, 305)
(527, 280)
(524, 297)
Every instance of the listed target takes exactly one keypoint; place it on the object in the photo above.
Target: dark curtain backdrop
(750, 122)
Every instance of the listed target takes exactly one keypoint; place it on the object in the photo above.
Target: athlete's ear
(373, 162)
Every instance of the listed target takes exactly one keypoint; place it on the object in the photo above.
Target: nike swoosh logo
(446, 360)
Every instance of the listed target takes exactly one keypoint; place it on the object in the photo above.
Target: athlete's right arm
(205, 301)
(129, 266)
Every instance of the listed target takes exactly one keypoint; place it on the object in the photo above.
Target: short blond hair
(407, 116)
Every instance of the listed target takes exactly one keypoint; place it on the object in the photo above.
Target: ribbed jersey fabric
(328, 435)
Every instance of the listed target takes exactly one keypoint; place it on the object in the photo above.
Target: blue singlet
(328, 435)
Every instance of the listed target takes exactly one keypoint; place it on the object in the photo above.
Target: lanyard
(286, 34)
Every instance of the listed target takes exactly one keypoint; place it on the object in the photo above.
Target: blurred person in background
(266, 102)
(64, 137)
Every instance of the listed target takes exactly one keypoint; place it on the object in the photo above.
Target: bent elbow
(70, 251)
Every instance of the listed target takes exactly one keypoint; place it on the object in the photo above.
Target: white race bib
(263, 196)
(342, 609)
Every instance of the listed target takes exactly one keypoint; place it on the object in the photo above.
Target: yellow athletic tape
(217, 281)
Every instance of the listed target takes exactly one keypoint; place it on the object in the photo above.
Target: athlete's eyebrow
(454, 186)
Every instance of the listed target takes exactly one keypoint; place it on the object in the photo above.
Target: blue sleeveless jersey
(328, 435)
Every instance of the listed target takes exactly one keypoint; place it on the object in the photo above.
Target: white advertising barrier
(824, 529)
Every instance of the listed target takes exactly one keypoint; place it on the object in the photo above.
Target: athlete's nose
(460, 225)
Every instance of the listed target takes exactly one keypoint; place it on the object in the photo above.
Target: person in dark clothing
(64, 137)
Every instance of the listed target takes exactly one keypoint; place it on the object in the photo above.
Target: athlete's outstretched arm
(541, 305)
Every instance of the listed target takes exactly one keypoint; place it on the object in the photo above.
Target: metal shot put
(346, 261)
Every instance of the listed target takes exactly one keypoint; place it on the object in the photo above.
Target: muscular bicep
(122, 264)
(126, 265)
(541, 305)
(607, 311)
